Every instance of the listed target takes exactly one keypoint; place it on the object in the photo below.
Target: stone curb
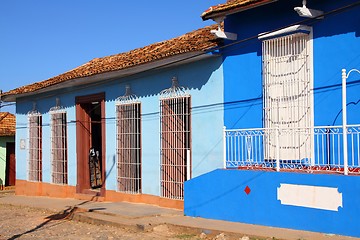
(138, 224)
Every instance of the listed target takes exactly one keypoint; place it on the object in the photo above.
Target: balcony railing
(302, 149)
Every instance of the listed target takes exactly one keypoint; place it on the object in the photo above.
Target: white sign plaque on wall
(326, 198)
(22, 144)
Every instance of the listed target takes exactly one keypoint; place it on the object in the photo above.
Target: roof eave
(118, 74)
(223, 13)
(7, 135)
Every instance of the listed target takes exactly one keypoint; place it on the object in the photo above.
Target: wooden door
(90, 132)
(10, 164)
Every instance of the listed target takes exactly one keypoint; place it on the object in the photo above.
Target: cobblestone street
(31, 223)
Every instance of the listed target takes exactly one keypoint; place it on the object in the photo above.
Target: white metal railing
(249, 148)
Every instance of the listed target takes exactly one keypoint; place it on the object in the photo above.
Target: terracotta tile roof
(7, 124)
(232, 6)
(198, 40)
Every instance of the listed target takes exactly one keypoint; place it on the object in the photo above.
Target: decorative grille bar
(59, 155)
(245, 148)
(129, 147)
(175, 144)
(128, 127)
(287, 96)
(35, 147)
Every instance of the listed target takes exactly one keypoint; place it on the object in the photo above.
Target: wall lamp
(220, 33)
(307, 12)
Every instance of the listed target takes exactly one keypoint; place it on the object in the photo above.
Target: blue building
(255, 120)
(132, 126)
(291, 112)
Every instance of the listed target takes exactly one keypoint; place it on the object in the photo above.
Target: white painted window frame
(34, 158)
(59, 148)
(175, 165)
(128, 147)
(283, 34)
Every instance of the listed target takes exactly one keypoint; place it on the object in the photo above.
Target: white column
(224, 147)
(344, 121)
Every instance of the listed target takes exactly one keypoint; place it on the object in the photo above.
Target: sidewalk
(146, 217)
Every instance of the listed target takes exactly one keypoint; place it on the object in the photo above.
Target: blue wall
(223, 197)
(336, 45)
(204, 79)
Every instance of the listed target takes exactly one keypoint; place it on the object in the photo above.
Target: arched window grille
(35, 146)
(175, 119)
(59, 151)
(128, 139)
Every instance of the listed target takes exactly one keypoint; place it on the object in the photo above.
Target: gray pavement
(146, 217)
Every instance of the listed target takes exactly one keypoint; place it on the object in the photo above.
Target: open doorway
(90, 131)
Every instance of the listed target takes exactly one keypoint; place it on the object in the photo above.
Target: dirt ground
(29, 223)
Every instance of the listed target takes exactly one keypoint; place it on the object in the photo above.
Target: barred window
(59, 156)
(175, 145)
(35, 147)
(287, 86)
(128, 124)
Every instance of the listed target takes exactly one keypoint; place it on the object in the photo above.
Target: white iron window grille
(128, 127)
(35, 147)
(175, 117)
(59, 154)
(288, 104)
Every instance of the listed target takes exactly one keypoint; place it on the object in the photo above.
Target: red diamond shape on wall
(247, 190)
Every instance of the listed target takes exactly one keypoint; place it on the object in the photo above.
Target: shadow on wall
(150, 84)
(146, 84)
(2, 159)
(109, 170)
(227, 191)
(243, 61)
(280, 14)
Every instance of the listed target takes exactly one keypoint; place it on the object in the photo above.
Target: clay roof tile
(198, 40)
(7, 124)
(232, 6)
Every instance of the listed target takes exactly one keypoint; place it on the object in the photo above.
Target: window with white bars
(288, 106)
(128, 124)
(35, 147)
(59, 155)
(175, 119)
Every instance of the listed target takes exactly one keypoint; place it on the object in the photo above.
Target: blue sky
(40, 39)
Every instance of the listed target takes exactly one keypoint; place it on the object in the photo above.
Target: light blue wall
(336, 45)
(223, 197)
(43, 105)
(204, 79)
